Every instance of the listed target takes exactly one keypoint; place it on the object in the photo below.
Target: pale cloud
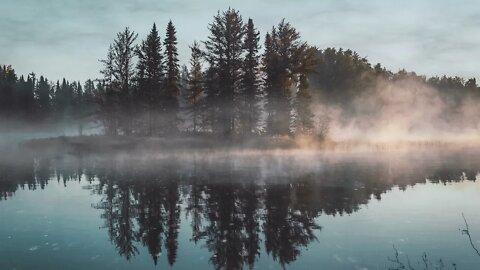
(65, 38)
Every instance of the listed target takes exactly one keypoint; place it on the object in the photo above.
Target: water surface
(234, 210)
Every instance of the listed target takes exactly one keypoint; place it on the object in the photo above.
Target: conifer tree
(89, 99)
(8, 81)
(24, 97)
(304, 119)
(172, 76)
(195, 86)
(224, 50)
(210, 117)
(285, 61)
(42, 96)
(150, 77)
(118, 75)
(250, 83)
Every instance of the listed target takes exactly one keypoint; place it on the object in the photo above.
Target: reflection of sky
(57, 226)
(425, 218)
(64, 38)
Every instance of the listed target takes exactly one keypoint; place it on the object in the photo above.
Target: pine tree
(89, 91)
(8, 81)
(210, 117)
(304, 121)
(77, 99)
(118, 76)
(25, 98)
(67, 94)
(250, 89)
(150, 77)
(224, 49)
(271, 81)
(171, 80)
(89, 98)
(195, 86)
(42, 96)
(286, 60)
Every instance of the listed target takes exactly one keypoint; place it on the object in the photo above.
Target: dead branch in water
(466, 231)
(424, 264)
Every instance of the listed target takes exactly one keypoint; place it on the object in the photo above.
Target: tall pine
(118, 76)
(8, 81)
(42, 96)
(195, 87)
(150, 78)
(286, 60)
(250, 82)
(224, 51)
(172, 75)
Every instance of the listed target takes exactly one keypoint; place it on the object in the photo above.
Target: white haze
(402, 111)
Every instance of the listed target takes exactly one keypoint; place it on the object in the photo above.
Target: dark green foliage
(42, 95)
(286, 60)
(149, 81)
(304, 123)
(172, 76)
(8, 81)
(118, 106)
(342, 75)
(250, 94)
(24, 98)
(304, 119)
(195, 99)
(224, 49)
(229, 89)
(454, 89)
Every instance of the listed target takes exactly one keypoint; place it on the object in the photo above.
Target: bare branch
(466, 231)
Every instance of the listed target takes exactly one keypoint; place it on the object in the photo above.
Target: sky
(66, 38)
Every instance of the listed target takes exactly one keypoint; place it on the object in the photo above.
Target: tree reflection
(172, 208)
(151, 217)
(287, 226)
(119, 210)
(230, 211)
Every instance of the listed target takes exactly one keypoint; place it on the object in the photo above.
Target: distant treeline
(231, 86)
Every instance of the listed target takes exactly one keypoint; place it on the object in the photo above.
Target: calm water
(296, 210)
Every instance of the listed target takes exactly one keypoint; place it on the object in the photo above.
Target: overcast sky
(65, 38)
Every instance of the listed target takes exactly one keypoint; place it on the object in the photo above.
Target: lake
(241, 210)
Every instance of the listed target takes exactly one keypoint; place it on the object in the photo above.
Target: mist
(403, 110)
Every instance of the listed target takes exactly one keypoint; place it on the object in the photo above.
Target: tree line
(232, 84)
(227, 88)
(32, 98)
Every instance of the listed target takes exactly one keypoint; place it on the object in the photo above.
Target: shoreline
(187, 144)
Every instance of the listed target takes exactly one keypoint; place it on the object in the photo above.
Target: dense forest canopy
(239, 82)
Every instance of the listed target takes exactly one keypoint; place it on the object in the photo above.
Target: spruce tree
(42, 96)
(304, 123)
(25, 98)
(89, 98)
(224, 51)
(250, 83)
(195, 86)
(150, 77)
(8, 81)
(118, 75)
(286, 60)
(172, 75)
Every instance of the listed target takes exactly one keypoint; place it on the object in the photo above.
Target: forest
(235, 85)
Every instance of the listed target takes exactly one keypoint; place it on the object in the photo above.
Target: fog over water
(406, 110)
(274, 147)
(239, 209)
